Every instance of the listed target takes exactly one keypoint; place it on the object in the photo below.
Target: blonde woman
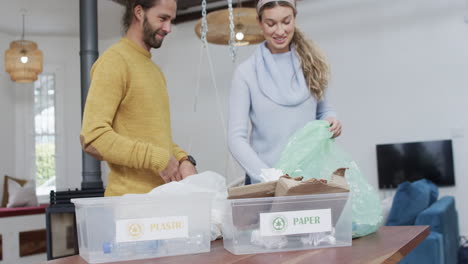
(278, 90)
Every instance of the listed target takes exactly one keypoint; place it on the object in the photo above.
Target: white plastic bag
(207, 181)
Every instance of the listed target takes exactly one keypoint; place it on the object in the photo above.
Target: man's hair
(130, 6)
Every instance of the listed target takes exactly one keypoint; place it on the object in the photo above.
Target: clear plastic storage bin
(142, 226)
(273, 224)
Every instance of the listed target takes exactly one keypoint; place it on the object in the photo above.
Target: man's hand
(186, 169)
(171, 172)
(335, 126)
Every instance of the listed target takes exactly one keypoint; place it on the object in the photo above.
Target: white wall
(399, 75)
(7, 151)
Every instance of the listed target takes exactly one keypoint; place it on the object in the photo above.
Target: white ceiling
(56, 18)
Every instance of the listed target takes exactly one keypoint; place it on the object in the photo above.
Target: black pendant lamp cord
(23, 51)
(22, 34)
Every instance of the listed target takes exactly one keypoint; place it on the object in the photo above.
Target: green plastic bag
(312, 153)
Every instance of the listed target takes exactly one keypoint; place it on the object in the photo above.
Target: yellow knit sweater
(126, 120)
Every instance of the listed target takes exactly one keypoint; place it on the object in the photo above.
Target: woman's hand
(335, 126)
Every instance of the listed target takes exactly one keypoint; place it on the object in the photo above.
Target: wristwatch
(190, 159)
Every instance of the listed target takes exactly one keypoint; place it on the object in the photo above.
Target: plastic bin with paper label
(142, 226)
(272, 224)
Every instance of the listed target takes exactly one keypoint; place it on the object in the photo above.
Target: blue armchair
(416, 204)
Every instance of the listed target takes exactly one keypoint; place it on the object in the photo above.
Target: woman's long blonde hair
(314, 66)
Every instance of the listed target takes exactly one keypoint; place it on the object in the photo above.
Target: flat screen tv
(401, 162)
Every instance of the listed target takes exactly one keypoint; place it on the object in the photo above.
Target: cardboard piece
(337, 184)
(264, 189)
(338, 179)
(288, 187)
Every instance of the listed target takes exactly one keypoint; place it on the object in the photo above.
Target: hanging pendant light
(247, 30)
(23, 60)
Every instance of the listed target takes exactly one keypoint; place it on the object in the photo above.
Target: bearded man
(126, 121)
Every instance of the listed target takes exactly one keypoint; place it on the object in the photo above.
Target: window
(44, 133)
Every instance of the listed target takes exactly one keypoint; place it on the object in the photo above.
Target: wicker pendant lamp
(247, 30)
(23, 60)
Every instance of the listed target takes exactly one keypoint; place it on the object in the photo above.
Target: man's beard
(149, 35)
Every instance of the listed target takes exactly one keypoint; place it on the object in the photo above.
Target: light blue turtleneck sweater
(269, 92)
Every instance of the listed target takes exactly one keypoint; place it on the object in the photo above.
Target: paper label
(295, 222)
(151, 228)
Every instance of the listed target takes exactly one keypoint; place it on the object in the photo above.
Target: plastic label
(295, 222)
(151, 228)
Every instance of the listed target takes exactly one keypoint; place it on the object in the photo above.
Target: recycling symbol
(279, 223)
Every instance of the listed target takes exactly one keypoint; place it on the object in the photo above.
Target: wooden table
(389, 245)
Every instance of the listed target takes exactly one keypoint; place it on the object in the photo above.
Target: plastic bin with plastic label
(273, 224)
(141, 226)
